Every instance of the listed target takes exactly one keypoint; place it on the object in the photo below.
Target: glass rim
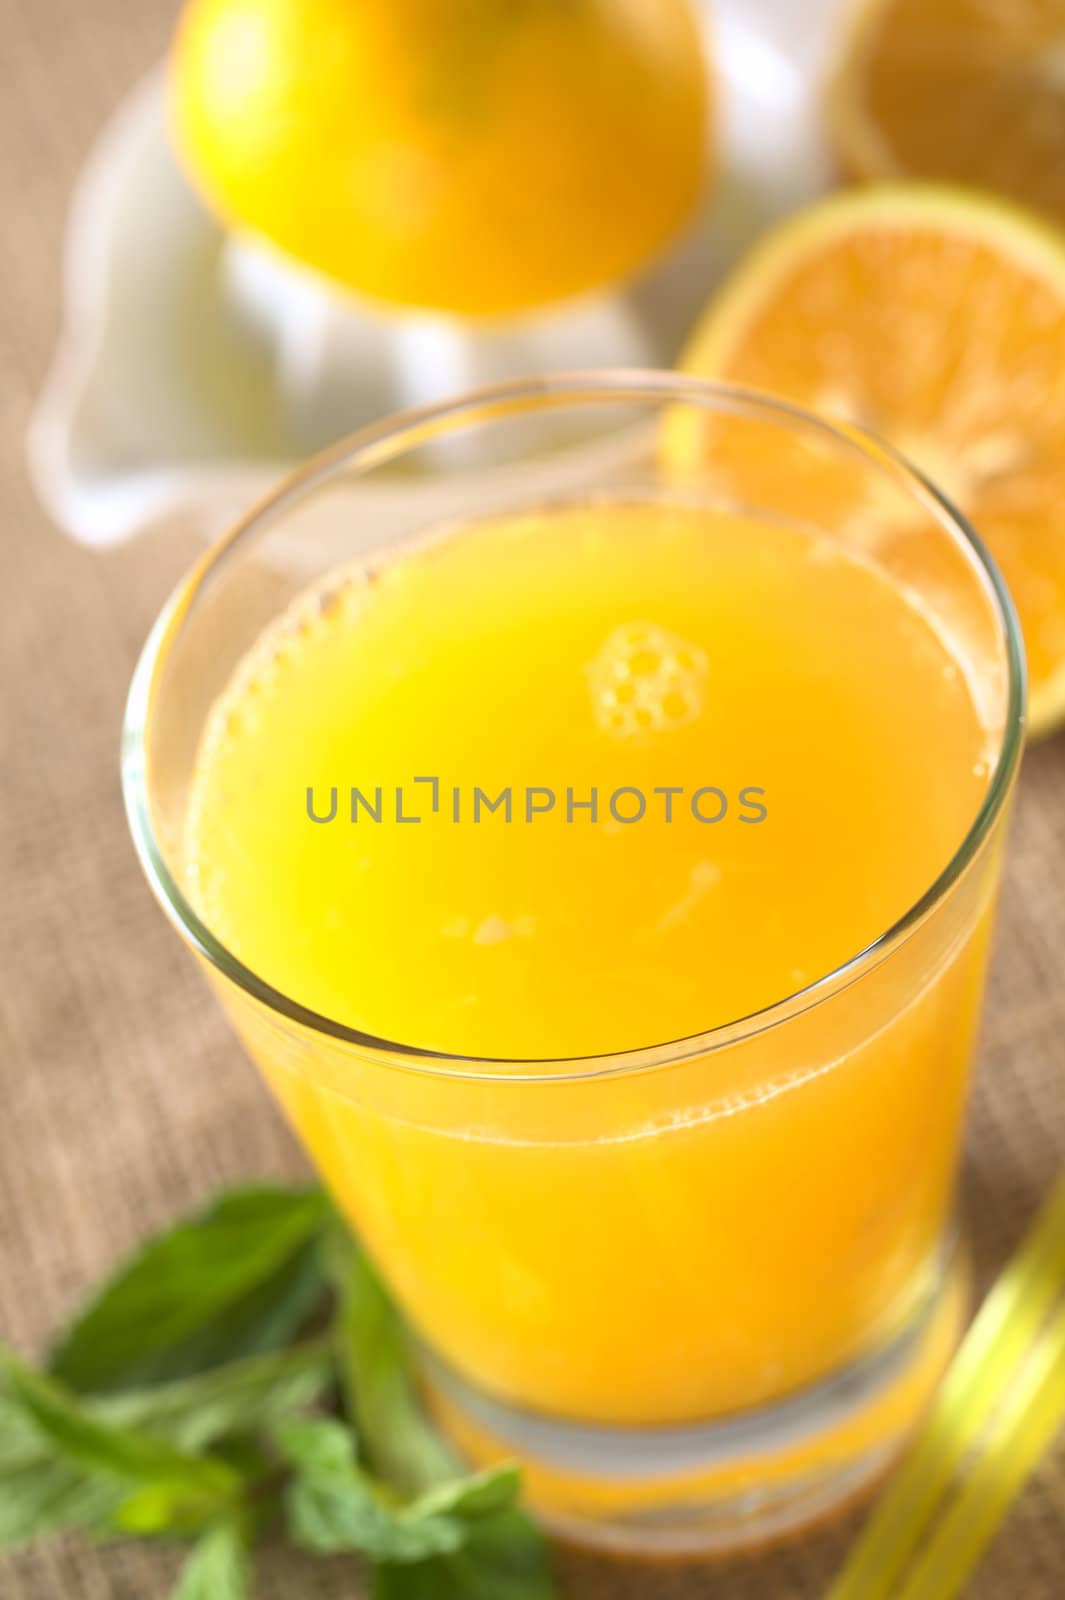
(379, 442)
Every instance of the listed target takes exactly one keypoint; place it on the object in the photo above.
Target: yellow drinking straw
(989, 1372)
(1031, 1414)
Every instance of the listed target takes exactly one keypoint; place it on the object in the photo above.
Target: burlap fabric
(123, 1098)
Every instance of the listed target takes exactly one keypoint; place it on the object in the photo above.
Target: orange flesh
(970, 91)
(936, 320)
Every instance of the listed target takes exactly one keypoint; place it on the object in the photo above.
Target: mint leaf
(195, 1485)
(503, 1558)
(332, 1505)
(238, 1280)
(319, 1447)
(398, 1441)
(331, 1517)
(217, 1569)
(21, 1444)
(50, 1497)
(42, 1493)
(481, 1494)
(39, 1494)
(243, 1396)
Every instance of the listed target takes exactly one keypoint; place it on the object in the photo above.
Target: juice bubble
(644, 679)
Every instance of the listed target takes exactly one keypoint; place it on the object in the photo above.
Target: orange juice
(572, 783)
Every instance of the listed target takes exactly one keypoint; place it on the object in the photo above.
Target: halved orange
(967, 91)
(935, 319)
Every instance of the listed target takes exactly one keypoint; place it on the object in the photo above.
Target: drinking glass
(701, 1289)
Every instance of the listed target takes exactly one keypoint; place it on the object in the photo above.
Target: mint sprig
(245, 1375)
